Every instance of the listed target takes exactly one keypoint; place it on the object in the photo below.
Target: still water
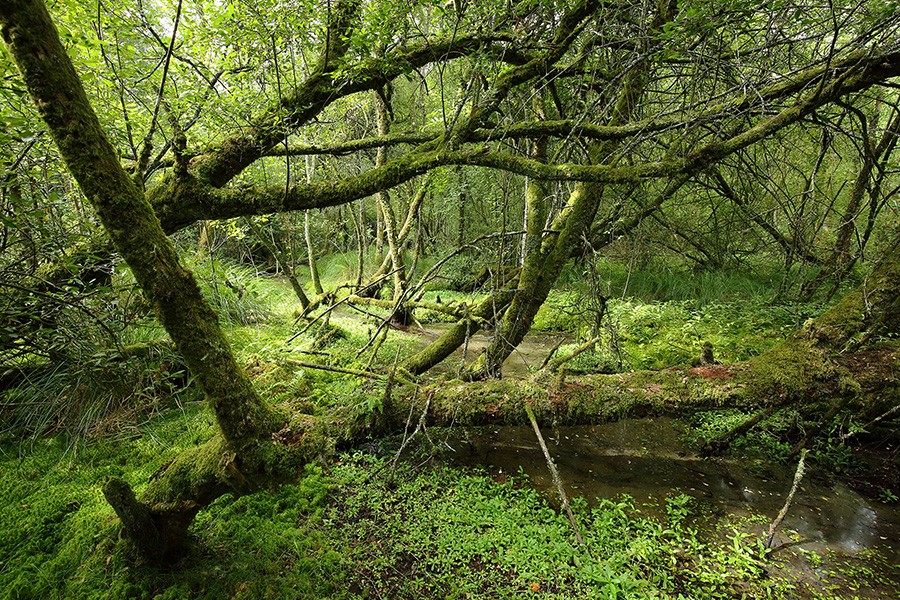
(646, 459)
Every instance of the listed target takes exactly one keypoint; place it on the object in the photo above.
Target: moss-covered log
(257, 446)
(831, 359)
(870, 378)
(871, 309)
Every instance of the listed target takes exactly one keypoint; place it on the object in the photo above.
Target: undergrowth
(455, 534)
(350, 532)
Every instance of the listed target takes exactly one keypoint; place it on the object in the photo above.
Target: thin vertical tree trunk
(310, 251)
(841, 260)
(461, 209)
(388, 219)
(286, 265)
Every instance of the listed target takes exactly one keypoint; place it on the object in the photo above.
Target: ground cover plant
(360, 529)
(244, 245)
(360, 525)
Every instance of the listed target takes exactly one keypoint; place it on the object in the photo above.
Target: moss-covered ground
(359, 526)
(362, 528)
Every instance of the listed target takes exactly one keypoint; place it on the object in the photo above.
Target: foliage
(238, 293)
(60, 534)
(454, 534)
(105, 395)
(84, 362)
(642, 334)
(275, 74)
(345, 534)
(768, 442)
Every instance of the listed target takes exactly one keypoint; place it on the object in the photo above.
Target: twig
(554, 473)
(719, 444)
(552, 353)
(382, 327)
(144, 156)
(375, 350)
(308, 365)
(432, 272)
(874, 421)
(358, 373)
(798, 477)
(327, 310)
(553, 365)
(408, 439)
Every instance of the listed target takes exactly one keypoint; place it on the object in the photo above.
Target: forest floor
(468, 513)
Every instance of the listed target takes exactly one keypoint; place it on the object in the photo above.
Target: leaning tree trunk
(239, 458)
(255, 447)
(479, 314)
(540, 269)
(129, 220)
(840, 260)
(543, 265)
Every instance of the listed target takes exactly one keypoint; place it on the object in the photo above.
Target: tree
(643, 97)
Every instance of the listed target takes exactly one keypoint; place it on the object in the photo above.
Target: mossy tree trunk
(255, 446)
(533, 278)
(386, 210)
(129, 220)
(479, 314)
(307, 234)
(546, 255)
(539, 273)
(244, 421)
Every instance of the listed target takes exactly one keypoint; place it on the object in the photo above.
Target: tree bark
(444, 346)
(829, 358)
(129, 220)
(236, 458)
(841, 260)
(546, 257)
(388, 217)
(307, 235)
(286, 265)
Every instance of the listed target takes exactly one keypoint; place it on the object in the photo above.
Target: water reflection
(646, 459)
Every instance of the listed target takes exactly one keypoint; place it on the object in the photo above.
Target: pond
(647, 460)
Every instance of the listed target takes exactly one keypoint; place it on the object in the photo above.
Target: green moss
(584, 399)
(496, 401)
(195, 473)
(843, 321)
(795, 369)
